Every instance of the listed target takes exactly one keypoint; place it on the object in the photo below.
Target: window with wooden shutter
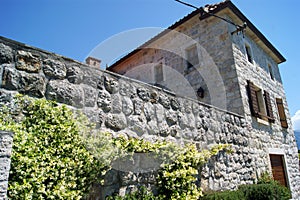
(260, 103)
(281, 113)
(278, 169)
(253, 101)
(269, 107)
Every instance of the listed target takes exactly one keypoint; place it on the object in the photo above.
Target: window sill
(262, 121)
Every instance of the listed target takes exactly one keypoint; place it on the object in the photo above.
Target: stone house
(213, 84)
(229, 67)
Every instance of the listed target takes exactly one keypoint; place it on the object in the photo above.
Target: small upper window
(249, 53)
(271, 71)
(158, 73)
(192, 56)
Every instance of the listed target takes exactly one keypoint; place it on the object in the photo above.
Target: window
(192, 56)
(158, 73)
(260, 103)
(271, 71)
(278, 169)
(281, 113)
(249, 53)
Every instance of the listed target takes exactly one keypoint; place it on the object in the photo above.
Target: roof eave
(243, 18)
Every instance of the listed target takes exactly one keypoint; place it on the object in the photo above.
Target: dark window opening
(271, 71)
(249, 53)
(158, 73)
(192, 56)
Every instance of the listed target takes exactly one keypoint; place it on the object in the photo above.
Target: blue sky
(73, 28)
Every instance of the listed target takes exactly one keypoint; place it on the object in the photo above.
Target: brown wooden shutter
(281, 113)
(269, 107)
(253, 101)
(278, 170)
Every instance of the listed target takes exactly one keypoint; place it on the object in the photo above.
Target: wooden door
(278, 169)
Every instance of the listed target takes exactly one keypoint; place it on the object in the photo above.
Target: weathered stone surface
(137, 123)
(164, 100)
(149, 111)
(6, 54)
(91, 76)
(28, 62)
(171, 117)
(174, 104)
(64, 92)
(90, 96)
(116, 122)
(117, 103)
(111, 85)
(93, 115)
(6, 142)
(164, 129)
(127, 105)
(31, 84)
(74, 74)
(54, 69)
(138, 105)
(143, 93)
(104, 100)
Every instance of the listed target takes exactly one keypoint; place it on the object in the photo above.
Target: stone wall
(6, 141)
(124, 106)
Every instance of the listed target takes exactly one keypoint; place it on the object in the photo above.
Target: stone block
(127, 105)
(74, 74)
(6, 54)
(54, 69)
(104, 100)
(90, 96)
(111, 85)
(31, 84)
(63, 91)
(28, 62)
(116, 122)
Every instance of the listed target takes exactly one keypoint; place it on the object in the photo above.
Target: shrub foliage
(49, 159)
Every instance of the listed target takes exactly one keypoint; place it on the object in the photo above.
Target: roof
(213, 9)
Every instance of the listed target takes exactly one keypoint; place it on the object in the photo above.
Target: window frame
(260, 103)
(188, 64)
(162, 76)
(271, 72)
(249, 54)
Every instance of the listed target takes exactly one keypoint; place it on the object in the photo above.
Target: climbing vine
(177, 177)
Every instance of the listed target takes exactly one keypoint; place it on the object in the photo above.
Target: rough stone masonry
(124, 106)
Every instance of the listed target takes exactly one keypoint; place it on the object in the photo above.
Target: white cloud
(296, 120)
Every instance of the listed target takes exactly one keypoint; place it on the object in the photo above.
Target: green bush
(49, 159)
(224, 195)
(265, 191)
(140, 194)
